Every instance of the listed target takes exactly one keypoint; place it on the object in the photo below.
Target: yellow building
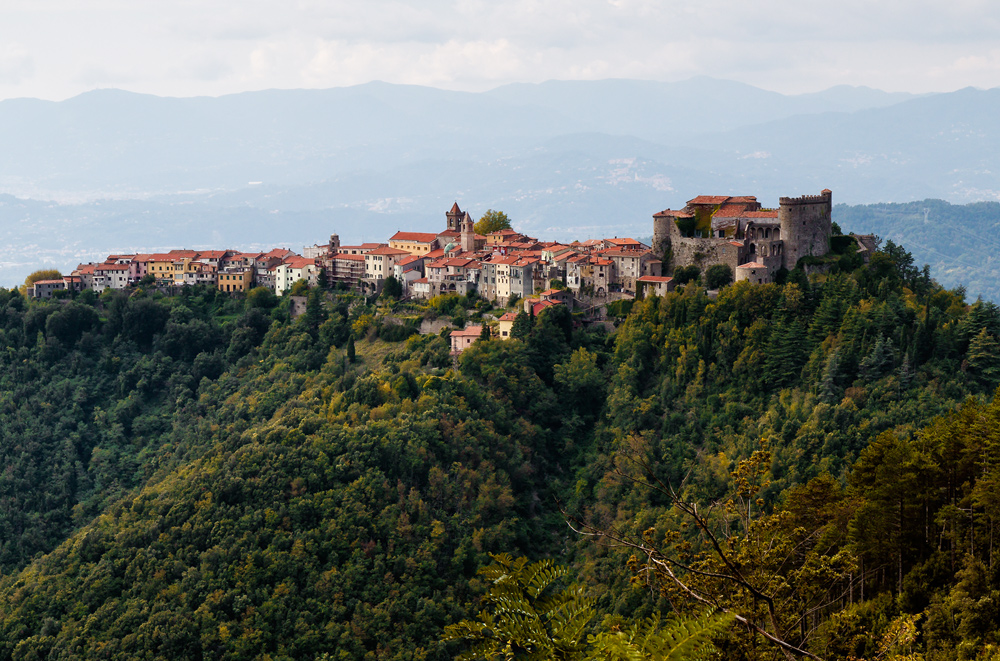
(235, 281)
(415, 243)
(506, 325)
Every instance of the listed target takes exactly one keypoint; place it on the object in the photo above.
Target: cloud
(187, 47)
(16, 64)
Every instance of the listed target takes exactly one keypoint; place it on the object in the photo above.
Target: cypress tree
(350, 349)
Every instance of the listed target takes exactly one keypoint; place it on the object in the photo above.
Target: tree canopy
(492, 221)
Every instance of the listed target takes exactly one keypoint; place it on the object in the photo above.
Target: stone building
(738, 230)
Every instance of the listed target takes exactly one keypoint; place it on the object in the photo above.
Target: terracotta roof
(508, 316)
(386, 250)
(655, 278)
(751, 265)
(673, 214)
(748, 199)
(468, 331)
(405, 260)
(603, 262)
(449, 233)
(419, 237)
(112, 267)
(278, 252)
(182, 254)
(434, 254)
(550, 292)
(49, 282)
(625, 241)
(709, 199)
(353, 258)
(731, 211)
(736, 243)
(300, 262)
(538, 307)
(420, 281)
(212, 254)
(455, 209)
(767, 213)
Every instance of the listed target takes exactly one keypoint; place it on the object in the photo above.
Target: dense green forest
(960, 242)
(207, 477)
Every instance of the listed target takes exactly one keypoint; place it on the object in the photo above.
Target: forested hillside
(206, 477)
(960, 242)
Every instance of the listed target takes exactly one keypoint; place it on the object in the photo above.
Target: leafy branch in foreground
(774, 574)
(527, 616)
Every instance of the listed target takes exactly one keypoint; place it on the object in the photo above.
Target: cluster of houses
(500, 266)
(228, 270)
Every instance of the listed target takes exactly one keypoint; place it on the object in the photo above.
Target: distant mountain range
(112, 170)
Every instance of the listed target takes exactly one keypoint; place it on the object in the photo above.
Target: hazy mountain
(564, 159)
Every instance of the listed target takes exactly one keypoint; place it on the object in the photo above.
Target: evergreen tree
(350, 349)
(878, 361)
(829, 390)
(984, 360)
(485, 333)
(521, 327)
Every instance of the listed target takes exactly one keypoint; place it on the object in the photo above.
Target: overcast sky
(55, 49)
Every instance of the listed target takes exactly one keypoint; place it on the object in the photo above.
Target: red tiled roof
(767, 213)
(731, 211)
(49, 282)
(449, 233)
(736, 243)
(212, 254)
(709, 199)
(508, 316)
(673, 214)
(434, 254)
(751, 265)
(300, 262)
(386, 250)
(625, 241)
(468, 331)
(113, 267)
(747, 199)
(278, 252)
(417, 237)
(455, 209)
(655, 278)
(353, 258)
(420, 281)
(405, 260)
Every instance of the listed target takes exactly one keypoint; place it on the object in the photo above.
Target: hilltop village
(735, 234)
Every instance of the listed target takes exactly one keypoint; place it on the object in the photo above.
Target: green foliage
(491, 221)
(685, 274)
(392, 288)
(718, 276)
(528, 616)
(43, 274)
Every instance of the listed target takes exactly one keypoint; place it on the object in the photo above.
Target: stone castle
(737, 231)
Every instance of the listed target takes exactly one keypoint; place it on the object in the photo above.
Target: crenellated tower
(806, 224)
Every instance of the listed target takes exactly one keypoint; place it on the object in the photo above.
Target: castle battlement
(822, 198)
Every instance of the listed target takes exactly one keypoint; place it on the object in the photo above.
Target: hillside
(206, 477)
(959, 242)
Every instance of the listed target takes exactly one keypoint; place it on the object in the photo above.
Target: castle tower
(334, 244)
(805, 226)
(455, 218)
(468, 234)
